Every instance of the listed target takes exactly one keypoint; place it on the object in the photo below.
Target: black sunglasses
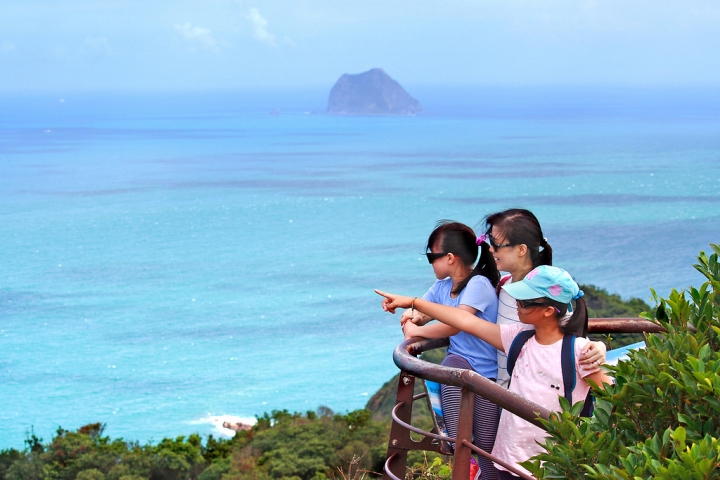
(531, 304)
(434, 256)
(497, 246)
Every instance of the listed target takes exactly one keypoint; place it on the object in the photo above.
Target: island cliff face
(371, 93)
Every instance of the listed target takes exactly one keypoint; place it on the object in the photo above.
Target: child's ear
(522, 250)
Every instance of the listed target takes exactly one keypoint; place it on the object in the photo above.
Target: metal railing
(472, 383)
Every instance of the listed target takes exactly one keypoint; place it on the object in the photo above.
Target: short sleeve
(479, 294)
(509, 332)
(583, 370)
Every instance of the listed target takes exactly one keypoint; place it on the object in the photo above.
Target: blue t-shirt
(482, 296)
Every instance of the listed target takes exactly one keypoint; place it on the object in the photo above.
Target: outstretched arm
(455, 317)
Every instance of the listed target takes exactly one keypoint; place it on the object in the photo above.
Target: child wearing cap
(543, 298)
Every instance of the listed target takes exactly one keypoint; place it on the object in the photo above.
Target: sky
(203, 45)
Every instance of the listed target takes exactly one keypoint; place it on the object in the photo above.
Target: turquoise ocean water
(168, 261)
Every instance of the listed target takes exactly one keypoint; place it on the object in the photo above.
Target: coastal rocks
(237, 426)
(371, 93)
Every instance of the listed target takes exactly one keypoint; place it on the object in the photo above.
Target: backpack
(567, 360)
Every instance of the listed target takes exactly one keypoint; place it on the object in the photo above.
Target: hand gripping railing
(405, 357)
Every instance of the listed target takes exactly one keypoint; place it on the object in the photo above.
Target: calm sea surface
(170, 261)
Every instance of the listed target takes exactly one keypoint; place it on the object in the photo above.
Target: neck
(460, 274)
(548, 333)
(520, 272)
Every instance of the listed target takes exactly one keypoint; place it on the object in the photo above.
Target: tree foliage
(281, 445)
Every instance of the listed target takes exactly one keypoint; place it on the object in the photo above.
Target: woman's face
(505, 255)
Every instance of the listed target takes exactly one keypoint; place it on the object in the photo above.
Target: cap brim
(521, 291)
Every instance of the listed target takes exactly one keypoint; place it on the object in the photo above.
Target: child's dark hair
(521, 227)
(577, 324)
(460, 240)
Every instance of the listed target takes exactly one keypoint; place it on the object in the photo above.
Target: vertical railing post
(461, 461)
(399, 436)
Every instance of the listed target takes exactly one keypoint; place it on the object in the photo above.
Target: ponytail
(545, 257)
(577, 324)
(485, 266)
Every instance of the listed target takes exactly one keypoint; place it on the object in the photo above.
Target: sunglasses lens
(528, 304)
(434, 256)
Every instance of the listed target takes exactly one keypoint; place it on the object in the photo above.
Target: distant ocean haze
(169, 261)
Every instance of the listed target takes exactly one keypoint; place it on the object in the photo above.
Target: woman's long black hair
(460, 240)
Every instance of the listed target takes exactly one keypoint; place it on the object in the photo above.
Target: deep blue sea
(168, 261)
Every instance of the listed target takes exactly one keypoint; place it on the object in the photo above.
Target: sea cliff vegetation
(658, 421)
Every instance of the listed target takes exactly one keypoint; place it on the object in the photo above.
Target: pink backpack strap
(502, 282)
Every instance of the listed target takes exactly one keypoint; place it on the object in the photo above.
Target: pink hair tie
(480, 240)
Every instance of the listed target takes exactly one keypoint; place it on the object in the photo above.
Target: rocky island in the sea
(370, 93)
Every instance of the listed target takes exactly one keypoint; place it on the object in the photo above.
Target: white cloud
(260, 25)
(196, 35)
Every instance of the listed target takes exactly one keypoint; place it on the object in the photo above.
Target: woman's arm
(433, 330)
(414, 316)
(455, 317)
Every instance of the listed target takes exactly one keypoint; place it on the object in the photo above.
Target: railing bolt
(406, 380)
(394, 442)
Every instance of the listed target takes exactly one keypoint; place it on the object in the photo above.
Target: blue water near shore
(168, 261)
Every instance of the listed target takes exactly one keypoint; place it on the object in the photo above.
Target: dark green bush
(662, 417)
(310, 446)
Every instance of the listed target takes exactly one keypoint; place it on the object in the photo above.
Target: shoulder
(508, 333)
(480, 295)
(514, 328)
(478, 282)
(440, 288)
(580, 342)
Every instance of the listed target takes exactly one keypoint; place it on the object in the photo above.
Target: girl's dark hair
(460, 240)
(519, 226)
(577, 324)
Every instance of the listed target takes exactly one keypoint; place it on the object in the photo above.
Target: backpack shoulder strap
(567, 358)
(502, 282)
(515, 347)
